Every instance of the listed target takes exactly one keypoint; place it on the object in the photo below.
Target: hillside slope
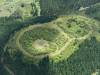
(55, 7)
(67, 41)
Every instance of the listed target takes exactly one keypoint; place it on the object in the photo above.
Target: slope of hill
(49, 37)
(55, 7)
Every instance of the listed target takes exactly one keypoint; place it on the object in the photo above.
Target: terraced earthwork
(50, 39)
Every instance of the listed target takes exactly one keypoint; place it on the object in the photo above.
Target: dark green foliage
(94, 11)
(84, 62)
(56, 7)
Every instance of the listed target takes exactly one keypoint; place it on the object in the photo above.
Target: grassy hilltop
(50, 37)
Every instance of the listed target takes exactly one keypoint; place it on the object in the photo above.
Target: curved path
(68, 43)
(52, 54)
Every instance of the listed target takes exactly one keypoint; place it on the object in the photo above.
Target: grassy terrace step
(45, 37)
(76, 26)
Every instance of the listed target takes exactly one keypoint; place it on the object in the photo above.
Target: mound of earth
(51, 39)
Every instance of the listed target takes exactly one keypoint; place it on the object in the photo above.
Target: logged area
(49, 37)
